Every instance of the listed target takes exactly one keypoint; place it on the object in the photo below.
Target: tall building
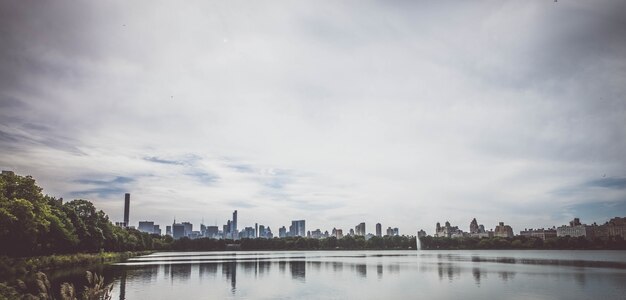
(360, 229)
(616, 227)
(234, 230)
(503, 231)
(146, 226)
(212, 232)
(261, 232)
(282, 232)
(421, 233)
(188, 228)
(256, 229)
(297, 228)
(474, 226)
(448, 230)
(540, 233)
(390, 231)
(168, 230)
(178, 231)
(396, 232)
(576, 229)
(379, 230)
(126, 209)
(156, 230)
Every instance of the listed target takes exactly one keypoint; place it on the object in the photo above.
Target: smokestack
(126, 208)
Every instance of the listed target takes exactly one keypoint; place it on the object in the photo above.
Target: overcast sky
(337, 112)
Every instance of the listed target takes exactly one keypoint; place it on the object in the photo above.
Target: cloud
(162, 161)
(103, 188)
(403, 114)
(610, 183)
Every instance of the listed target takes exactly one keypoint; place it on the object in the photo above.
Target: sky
(405, 113)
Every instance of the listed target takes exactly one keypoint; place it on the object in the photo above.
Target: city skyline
(398, 113)
(297, 228)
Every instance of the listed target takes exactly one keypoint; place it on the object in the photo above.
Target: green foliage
(33, 224)
(96, 289)
(298, 243)
(521, 242)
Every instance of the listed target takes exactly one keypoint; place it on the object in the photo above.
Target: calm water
(370, 275)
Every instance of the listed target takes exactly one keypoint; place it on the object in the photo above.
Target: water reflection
(505, 276)
(449, 270)
(476, 274)
(180, 272)
(123, 286)
(229, 272)
(207, 270)
(298, 270)
(323, 277)
(361, 270)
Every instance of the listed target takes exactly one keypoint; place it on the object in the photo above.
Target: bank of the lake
(18, 267)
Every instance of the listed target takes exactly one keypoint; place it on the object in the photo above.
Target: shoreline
(18, 267)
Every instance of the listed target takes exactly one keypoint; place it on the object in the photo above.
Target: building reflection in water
(361, 270)
(379, 271)
(229, 271)
(180, 271)
(282, 266)
(207, 269)
(393, 269)
(264, 268)
(166, 270)
(298, 270)
(123, 285)
(147, 274)
(505, 276)
(315, 266)
(337, 267)
(580, 278)
(449, 270)
(476, 273)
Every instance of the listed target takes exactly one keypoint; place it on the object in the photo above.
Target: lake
(463, 274)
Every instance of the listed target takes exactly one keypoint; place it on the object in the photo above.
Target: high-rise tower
(126, 209)
(234, 229)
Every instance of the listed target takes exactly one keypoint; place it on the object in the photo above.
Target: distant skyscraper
(127, 209)
(234, 229)
(360, 229)
(156, 230)
(297, 228)
(188, 228)
(146, 226)
(211, 232)
(473, 228)
(168, 230)
(256, 229)
(379, 230)
(282, 232)
(178, 231)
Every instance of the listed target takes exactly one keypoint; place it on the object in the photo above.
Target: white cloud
(333, 113)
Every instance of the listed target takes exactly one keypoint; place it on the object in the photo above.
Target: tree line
(297, 243)
(521, 242)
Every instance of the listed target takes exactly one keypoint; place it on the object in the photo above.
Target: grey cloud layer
(402, 112)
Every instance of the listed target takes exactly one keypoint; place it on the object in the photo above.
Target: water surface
(371, 275)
